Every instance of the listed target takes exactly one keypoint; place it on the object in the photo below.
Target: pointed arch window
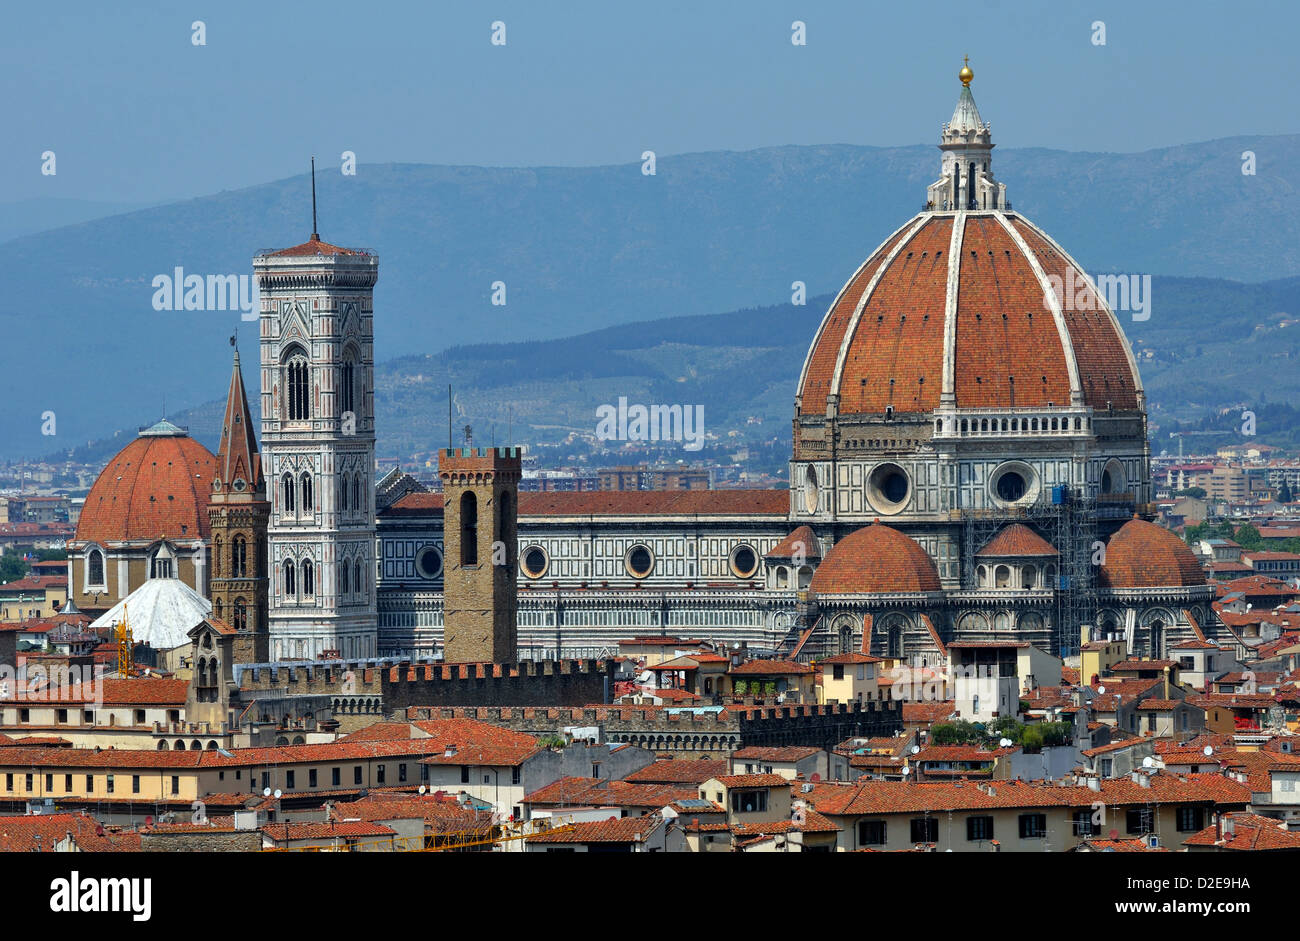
(356, 492)
(308, 578)
(343, 579)
(357, 580)
(344, 502)
(308, 503)
(239, 557)
(287, 501)
(241, 615)
(290, 580)
(347, 387)
(297, 387)
(468, 529)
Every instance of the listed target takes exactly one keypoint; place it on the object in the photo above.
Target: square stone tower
(318, 447)
(480, 492)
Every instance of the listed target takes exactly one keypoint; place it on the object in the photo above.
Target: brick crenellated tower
(237, 515)
(480, 510)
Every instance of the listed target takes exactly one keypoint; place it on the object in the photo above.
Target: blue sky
(135, 112)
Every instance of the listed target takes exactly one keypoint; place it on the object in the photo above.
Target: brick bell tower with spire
(238, 513)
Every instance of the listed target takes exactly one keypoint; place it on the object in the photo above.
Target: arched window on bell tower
(287, 501)
(347, 387)
(468, 529)
(239, 557)
(297, 386)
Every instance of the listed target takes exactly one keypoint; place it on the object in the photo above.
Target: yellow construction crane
(125, 647)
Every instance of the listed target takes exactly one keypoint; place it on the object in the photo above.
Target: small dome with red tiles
(876, 559)
(158, 485)
(1144, 555)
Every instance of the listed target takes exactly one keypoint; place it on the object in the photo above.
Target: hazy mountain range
(608, 250)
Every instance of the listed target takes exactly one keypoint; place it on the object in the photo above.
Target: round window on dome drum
(1014, 483)
(428, 562)
(534, 561)
(889, 488)
(810, 493)
(744, 561)
(640, 561)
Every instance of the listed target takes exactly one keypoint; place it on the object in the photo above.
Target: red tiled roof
(313, 246)
(1143, 555)
(614, 830)
(1017, 540)
(751, 780)
(883, 797)
(1008, 350)
(604, 793)
(770, 668)
(40, 832)
(779, 753)
(876, 559)
(324, 831)
(694, 771)
(158, 485)
(1249, 832)
(36, 582)
(802, 542)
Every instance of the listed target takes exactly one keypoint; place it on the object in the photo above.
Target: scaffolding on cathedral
(1068, 520)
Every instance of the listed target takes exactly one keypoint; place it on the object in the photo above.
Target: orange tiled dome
(158, 485)
(883, 341)
(876, 559)
(1144, 555)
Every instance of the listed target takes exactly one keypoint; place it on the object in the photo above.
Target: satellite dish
(915, 749)
(277, 793)
(421, 789)
(668, 813)
(266, 792)
(1148, 762)
(815, 777)
(1005, 743)
(906, 772)
(1208, 751)
(1101, 689)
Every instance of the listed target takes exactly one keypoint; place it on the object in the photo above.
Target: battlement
(707, 730)
(468, 464)
(401, 684)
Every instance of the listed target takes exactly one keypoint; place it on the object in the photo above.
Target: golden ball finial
(966, 74)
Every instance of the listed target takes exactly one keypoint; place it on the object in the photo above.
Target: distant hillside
(581, 249)
(1208, 345)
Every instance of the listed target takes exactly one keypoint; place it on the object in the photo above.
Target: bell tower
(237, 515)
(318, 440)
(480, 499)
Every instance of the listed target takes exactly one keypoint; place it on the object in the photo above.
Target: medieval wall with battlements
(695, 733)
(375, 690)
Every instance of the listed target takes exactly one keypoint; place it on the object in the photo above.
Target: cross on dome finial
(966, 74)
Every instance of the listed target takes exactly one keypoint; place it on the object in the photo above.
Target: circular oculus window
(744, 561)
(889, 488)
(534, 561)
(1014, 483)
(810, 490)
(639, 561)
(428, 562)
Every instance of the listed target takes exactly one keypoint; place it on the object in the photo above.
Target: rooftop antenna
(451, 443)
(315, 236)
